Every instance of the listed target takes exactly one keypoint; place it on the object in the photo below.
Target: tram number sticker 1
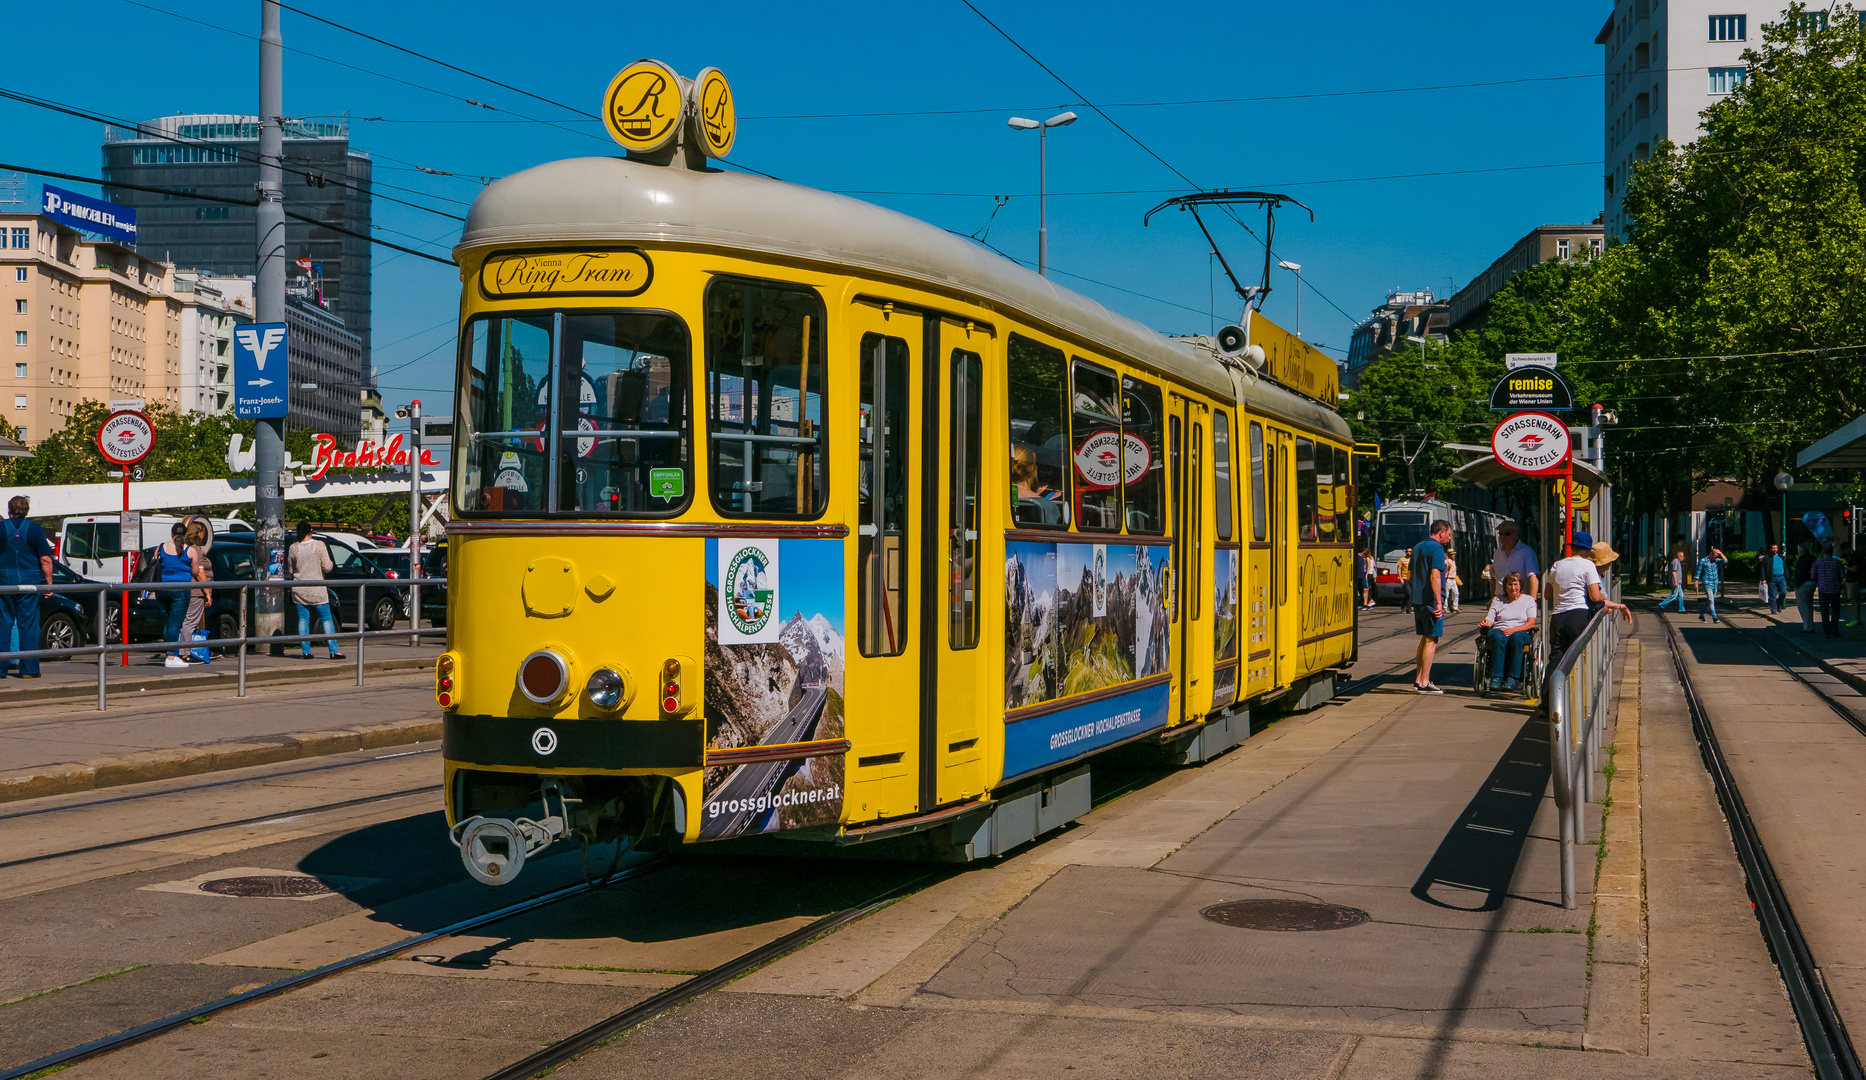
(748, 593)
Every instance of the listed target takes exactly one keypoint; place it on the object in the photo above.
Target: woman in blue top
(177, 564)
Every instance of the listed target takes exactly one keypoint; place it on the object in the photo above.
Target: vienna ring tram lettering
(777, 534)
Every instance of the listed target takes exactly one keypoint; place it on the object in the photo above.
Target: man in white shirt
(1513, 558)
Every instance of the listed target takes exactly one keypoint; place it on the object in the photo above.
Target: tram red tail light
(674, 699)
(444, 681)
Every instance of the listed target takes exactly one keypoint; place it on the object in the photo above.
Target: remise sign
(90, 215)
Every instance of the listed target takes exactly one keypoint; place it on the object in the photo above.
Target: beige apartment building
(83, 319)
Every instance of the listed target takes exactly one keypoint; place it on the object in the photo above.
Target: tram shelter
(1487, 472)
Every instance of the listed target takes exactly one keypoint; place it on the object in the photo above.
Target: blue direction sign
(260, 372)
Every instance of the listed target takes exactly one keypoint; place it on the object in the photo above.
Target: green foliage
(1728, 329)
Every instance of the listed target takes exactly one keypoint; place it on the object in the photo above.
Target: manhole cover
(287, 886)
(1284, 915)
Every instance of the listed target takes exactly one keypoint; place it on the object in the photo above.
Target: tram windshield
(623, 447)
(1400, 531)
(764, 391)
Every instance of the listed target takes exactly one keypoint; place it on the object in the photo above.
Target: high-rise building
(1667, 61)
(214, 154)
(82, 319)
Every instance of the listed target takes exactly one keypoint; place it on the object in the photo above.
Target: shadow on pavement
(1477, 858)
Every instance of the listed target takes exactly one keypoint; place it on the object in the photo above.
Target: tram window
(1305, 491)
(1259, 526)
(1039, 393)
(968, 379)
(1095, 436)
(500, 439)
(769, 452)
(1325, 505)
(1141, 464)
(627, 448)
(882, 522)
(1221, 473)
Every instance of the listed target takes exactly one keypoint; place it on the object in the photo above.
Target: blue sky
(834, 57)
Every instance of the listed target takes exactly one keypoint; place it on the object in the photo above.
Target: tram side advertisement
(1082, 619)
(774, 676)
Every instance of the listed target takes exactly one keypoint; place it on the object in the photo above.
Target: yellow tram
(778, 513)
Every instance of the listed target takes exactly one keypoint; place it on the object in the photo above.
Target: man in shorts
(1426, 590)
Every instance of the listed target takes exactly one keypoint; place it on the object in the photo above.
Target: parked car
(393, 562)
(233, 560)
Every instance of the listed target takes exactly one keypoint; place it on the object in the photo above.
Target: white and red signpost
(1538, 444)
(125, 438)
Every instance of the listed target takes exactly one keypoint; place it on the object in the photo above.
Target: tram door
(1283, 535)
(1185, 438)
(882, 663)
(963, 361)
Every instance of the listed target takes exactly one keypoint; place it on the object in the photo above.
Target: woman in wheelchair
(1508, 630)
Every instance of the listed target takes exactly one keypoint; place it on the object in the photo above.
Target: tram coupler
(494, 849)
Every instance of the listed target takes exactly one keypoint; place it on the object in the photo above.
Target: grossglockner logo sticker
(748, 592)
(1531, 443)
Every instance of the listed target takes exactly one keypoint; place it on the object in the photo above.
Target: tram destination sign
(1531, 388)
(1532, 443)
(596, 272)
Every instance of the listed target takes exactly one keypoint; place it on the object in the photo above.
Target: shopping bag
(200, 652)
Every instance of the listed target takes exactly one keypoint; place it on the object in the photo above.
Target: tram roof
(618, 200)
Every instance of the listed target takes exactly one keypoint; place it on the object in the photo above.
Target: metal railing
(1580, 697)
(110, 591)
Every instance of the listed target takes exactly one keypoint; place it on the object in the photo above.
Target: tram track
(363, 800)
(116, 799)
(1830, 1047)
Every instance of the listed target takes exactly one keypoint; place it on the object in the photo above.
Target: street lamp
(1783, 482)
(1043, 139)
(1296, 269)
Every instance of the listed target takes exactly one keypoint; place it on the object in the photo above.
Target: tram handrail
(1580, 696)
(241, 644)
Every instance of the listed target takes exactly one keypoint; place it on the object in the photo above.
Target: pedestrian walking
(1451, 581)
(1511, 627)
(25, 559)
(1573, 582)
(1362, 585)
(1405, 576)
(1855, 558)
(1368, 572)
(1426, 590)
(174, 563)
(1829, 573)
(1804, 586)
(309, 560)
(1775, 572)
(1710, 576)
(1676, 569)
(1512, 557)
(197, 533)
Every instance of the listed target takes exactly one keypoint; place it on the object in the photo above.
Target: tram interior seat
(1041, 512)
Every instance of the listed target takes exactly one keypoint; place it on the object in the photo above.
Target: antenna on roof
(12, 189)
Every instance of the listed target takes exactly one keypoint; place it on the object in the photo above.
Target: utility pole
(414, 520)
(269, 307)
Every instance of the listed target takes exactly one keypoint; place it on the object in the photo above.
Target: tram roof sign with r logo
(717, 112)
(644, 106)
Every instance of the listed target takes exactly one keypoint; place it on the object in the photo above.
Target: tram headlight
(606, 688)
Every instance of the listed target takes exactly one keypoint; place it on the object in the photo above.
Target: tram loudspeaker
(1231, 341)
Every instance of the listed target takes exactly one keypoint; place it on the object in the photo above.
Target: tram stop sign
(1532, 443)
(125, 437)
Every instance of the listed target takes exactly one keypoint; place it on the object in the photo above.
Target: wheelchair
(1488, 659)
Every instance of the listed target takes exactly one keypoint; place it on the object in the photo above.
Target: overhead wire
(308, 176)
(182, 194)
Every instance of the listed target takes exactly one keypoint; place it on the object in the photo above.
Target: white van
(92, 544)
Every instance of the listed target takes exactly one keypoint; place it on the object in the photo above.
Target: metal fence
(1580, 697)
(110, 591)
